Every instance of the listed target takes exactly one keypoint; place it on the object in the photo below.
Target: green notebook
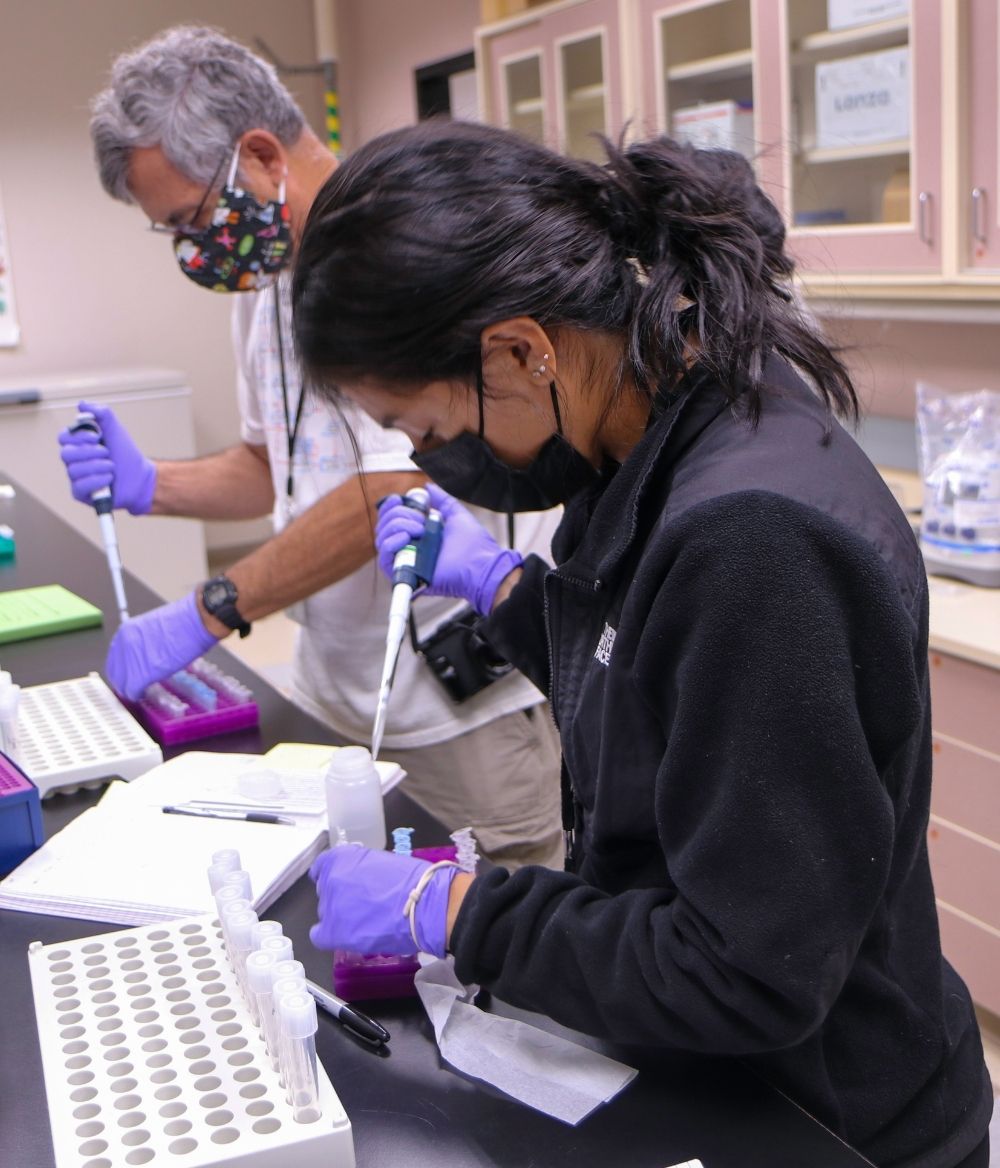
(37, 612)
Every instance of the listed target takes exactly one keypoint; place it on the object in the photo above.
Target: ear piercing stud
(541, 368)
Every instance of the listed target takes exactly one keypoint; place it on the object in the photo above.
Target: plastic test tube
(297, 1017)
(226, 895)
(241, 923)
(281, 947)
(226, 909)
(293, 983)
(259, 966)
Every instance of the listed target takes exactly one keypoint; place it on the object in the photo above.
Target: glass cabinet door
(863, 159)
(522, 97)
(582, 95)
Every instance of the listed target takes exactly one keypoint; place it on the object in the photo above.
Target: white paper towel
(549, 1073)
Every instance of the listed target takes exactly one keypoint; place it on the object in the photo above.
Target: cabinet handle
(924, 200)
(979, 214)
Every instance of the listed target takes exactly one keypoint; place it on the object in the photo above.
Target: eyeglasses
(191, 227)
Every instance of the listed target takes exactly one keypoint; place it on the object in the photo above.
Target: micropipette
(101, 499)
(412, 568)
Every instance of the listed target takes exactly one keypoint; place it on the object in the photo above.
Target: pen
(367, 1029)
(249, 816)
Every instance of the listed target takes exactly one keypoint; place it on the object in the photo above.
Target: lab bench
(406, 1107)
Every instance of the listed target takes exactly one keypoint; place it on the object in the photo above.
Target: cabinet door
(863, 118)
(585, 42)
(519, 82)
(979, 192)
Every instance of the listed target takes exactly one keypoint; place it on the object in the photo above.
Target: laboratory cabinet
(875, 123)
(963, 837)
(554, 74)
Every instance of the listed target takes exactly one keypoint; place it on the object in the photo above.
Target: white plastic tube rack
(150, 1057)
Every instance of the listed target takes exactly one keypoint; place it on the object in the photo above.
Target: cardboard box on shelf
(863, 100)
(717, 125)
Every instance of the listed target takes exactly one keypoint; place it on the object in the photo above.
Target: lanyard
(291, 428)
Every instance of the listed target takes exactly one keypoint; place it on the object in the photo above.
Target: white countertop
(964, 619)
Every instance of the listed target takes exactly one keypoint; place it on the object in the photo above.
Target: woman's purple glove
(471, 565)
(151, 647)
(111, 460)
(362, 902)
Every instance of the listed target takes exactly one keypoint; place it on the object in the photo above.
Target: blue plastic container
(21, 830)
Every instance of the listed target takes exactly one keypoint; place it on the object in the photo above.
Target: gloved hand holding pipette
(470, 564)
(105, 456)
(364, 897)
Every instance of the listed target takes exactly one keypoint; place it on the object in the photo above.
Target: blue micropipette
(101, 499)
(412, 568)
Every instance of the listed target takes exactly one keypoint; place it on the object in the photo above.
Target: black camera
(460, 657)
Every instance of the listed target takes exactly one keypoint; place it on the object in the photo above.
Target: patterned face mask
(244, 247)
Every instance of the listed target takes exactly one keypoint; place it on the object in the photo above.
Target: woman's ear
(518, 357)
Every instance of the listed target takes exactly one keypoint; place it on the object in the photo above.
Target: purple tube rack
(358, 977)
(168, 730)
(21, 830)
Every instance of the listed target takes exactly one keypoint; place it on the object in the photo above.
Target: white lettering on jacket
(605, 644)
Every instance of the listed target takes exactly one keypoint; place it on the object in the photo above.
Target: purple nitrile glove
(362, 902)
(111, 460)
(471, 564)
(151, 647)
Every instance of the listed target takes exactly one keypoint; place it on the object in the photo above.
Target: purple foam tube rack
(21, 830)
(358, 977)
(168, 728)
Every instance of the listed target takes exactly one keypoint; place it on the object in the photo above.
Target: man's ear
(518, 356)
(263, 162)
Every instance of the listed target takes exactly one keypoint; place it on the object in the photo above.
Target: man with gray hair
(204, 138)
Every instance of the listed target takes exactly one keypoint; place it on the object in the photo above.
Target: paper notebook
(126, 862)
(38, 612)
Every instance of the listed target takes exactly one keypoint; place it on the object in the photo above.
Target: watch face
(215, 594)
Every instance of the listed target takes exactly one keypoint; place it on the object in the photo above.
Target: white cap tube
(281, 947)
(242, 881)
(266, 929)
(229, 858)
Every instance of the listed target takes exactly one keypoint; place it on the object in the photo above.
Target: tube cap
(216, 874)
(350, 764)
(298, 1014)
(287, 985)
(259, 966)
(229, 857)
(288, 969)
(281, 947)
(240, 924)
(242, 881)
(266, 929)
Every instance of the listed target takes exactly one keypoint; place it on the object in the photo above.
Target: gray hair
(193, 92)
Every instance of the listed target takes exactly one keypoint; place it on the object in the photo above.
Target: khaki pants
(502, 780)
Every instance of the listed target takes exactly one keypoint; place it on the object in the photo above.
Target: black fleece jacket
(734, 643)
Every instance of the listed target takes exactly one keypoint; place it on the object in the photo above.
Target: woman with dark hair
(733, 636)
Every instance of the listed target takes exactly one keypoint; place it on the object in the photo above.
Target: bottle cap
(298, 1014)
(259, 966)
(288, 969)
(242, 881)
(240, 925)
(266, 929)
(281, 947)
(350, 764)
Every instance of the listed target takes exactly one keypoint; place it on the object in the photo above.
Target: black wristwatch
(219, 597)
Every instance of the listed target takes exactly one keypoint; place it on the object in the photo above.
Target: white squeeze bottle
(354, 798)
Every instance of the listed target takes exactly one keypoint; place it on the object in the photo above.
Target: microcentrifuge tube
(297, 1018)
(465, 847)
(402, 841)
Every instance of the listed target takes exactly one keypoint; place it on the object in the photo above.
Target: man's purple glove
(111, 460)
(471, 565)
(151, 647)
(363, 902)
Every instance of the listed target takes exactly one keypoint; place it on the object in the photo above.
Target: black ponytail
(426, 236)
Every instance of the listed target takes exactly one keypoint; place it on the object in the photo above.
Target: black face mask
(467, 468)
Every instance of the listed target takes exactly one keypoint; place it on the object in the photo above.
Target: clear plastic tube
(288, 984)
(259, 966)
(242, 881)
(297, 1018)
(228, 858)
(240, 923)
(263, 930)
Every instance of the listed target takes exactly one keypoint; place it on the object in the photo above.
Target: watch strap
(223, 607)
